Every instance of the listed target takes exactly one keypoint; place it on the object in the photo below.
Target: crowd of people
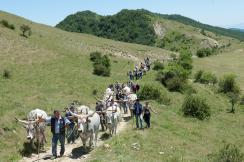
(117, 97)
(140, 70)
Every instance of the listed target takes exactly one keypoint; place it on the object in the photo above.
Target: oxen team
(117, 99)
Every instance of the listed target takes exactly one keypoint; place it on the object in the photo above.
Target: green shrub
(198, 75)
(6, 74)
(185, 60)
(195, 106)
(7, 25)
(153, 92)
(95, 56)
(101, 70)
(173, 77)
(205, 77)
(26, 30)
(158, 65)
(204, 52)
(101, 64)
(229, 153)
(228, 84)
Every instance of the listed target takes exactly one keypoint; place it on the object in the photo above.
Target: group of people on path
(60, 125)
(140, 70)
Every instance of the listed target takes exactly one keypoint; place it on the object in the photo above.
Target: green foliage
(101, 70)
(25, 29)
(205, 52)
(228, 84)
(173, 77)
(218, 30)
(153, 92)
(101, 64)
(185, 60)
(95, 56)
(158, 65)
(127, 25)
(175, 41)
(229, 153)
(205, 77)
(6, 24)
(6, 74)
(195, 106)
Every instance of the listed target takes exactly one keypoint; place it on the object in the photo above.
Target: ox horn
(21, 121)
(98, 99)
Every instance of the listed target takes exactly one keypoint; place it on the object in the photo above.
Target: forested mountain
(140, 26)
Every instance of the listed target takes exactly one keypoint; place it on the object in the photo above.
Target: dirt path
(73, 152)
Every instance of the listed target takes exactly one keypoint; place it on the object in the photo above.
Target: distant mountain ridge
(142, 27)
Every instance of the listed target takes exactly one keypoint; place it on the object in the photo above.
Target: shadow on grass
(79, 152)
(105, 136)
(27, 149)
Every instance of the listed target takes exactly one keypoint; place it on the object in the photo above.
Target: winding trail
(74, 152)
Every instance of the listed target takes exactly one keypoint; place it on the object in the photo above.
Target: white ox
(113, 117)
(88, 127)
(35, 130)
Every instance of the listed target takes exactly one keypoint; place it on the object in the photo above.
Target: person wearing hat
(147, 114)
(137, 113)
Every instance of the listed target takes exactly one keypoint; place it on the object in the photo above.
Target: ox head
(30, 128)
(83, 124)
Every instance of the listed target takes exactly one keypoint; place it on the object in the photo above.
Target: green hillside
(51, 68)
(172, 32)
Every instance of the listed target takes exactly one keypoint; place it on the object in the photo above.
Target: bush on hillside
(228, 84)
(26, 30)
(101, 64)
(95, 56)
(101, 70)
(158, 65)
(6, 24)
(205, 77)
(6, 74)
(153, 92)
(229, 153)
(173, 77)
(185, 60)
(195, 106)
(204, 52)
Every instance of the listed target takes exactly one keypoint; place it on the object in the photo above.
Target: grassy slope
(227, 62)
(52, 68)
(49, 70)
(180, 138)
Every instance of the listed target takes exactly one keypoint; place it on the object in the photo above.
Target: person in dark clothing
(58, 124)
(70, 129)
(147, 114)
(137, 111)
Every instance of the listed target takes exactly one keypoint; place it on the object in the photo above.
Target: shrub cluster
(26, 30)
(153, 92)
(205, 77)
(6, 24)
(6, 74)
(195, 106)
(174, 76)
(101, 64)
(228, 84)
(158, 65)
(204, 52)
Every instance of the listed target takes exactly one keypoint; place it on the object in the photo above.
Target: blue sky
(224, 13)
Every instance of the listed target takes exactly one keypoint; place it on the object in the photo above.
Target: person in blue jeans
(138, 114)
(58, 124)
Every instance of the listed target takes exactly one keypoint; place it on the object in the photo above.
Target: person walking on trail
(58, 124)
(147, 114)
(70, 130)
(138, 114)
